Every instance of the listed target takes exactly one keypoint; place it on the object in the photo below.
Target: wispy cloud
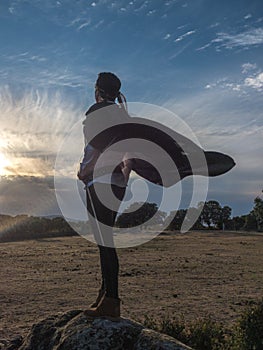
(248, 16)
(250, 37)
(252, 78)
(182, 37)
(38, 58)
(247, 67)
(32, 128)
(29, 58)
(11, 10)
(224, 122)
(34, 69)
(201, 48)
(151, 12)
(98, 24)
(84, 25)
(169, 2)
(59, 78)
(225, 84)
(178, 52)
(214, 25)
(140, 6)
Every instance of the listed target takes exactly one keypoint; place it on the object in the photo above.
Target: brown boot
(99, 297)
(106, 307)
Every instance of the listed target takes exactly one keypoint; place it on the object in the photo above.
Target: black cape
(164, 159)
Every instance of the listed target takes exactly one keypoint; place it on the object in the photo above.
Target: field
(193, 275)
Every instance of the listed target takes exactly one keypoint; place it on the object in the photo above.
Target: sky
(202, 60)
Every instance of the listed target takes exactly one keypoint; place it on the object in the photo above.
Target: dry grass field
(193, 275)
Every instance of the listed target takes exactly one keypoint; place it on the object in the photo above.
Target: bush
(175, 328)
(201, 334)
(205, 334)
(249, 330)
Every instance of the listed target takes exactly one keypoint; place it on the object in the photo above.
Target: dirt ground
(190, 275)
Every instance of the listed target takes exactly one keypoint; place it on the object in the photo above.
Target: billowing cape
(156, 152)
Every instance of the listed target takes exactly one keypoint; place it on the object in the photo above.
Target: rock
(12, 344)
(74, 331)
(3, 344)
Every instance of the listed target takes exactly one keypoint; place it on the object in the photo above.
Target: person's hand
(83, 173)
(79, 176)
(88, 163)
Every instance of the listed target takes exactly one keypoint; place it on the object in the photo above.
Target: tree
(193, 213)
(139, 213)
(211, 214)
(176, 218)
(237, 223)
(225, 216)
(250, 222)
(258, 213)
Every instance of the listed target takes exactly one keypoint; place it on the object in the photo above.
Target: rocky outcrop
(74, 331)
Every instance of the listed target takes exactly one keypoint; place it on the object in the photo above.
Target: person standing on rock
(101, 216)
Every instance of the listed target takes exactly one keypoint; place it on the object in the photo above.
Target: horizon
(56, 212)
(201, 61)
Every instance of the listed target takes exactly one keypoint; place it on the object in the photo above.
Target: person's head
(108, 88)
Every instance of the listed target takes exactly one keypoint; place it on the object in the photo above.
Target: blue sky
(202, 59)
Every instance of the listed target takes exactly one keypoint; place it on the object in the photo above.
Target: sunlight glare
(4, 162)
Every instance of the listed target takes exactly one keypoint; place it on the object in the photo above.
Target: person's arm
(89, 160)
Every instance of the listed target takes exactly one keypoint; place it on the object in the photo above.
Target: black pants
(102, 227)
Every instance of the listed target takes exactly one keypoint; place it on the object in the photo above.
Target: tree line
(213, 216)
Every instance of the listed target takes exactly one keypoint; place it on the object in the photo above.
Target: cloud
(167, 36)
(38, 58)
(37, 72)
(214, 25)
(248, 16)
(255, 82)
(98, 24)
(248, 67)
(151, 12)
(25, 57)
(225, 122)
(180, 38)
(169, 2)
(28, 195)
(251, 37)
(203, 47)
(216, 112)
(32, 129)
(83, 25)
(178, 52)
(141, 6)
(35, 69)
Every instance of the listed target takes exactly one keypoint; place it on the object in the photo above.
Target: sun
(4, 163)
